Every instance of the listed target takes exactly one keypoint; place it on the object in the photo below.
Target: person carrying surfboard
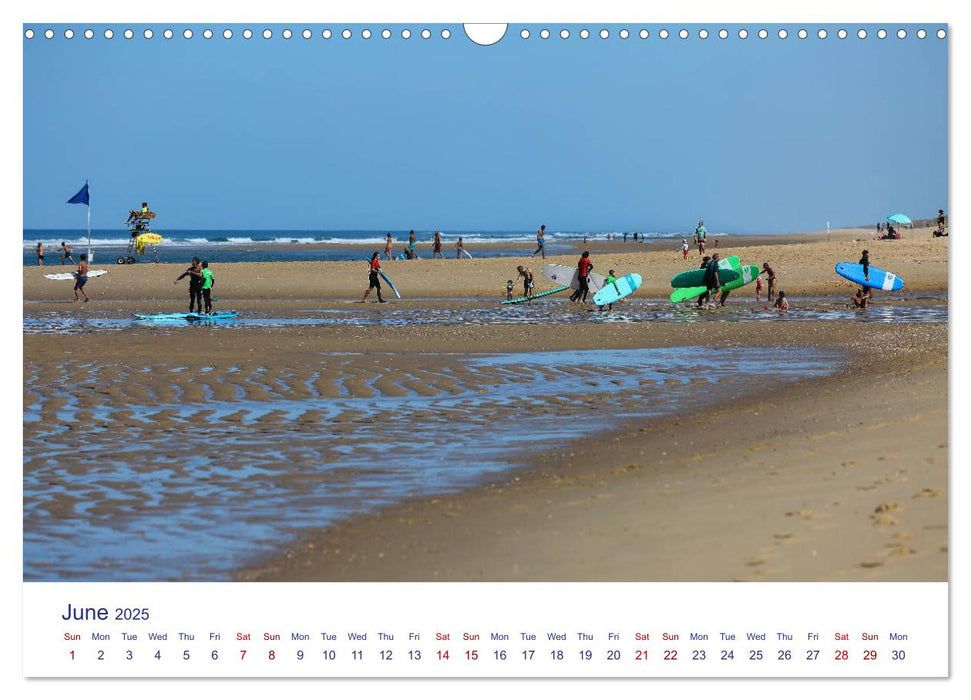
(584, 266)
(374, 268)
(611, 280)
(459, 248)
(82, 277)
(539, 242)
(865, 262)
(712, 283)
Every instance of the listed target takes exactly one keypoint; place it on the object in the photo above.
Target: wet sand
(841, 478)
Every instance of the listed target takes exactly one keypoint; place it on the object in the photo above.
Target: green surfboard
(747, 275)
(727, 272)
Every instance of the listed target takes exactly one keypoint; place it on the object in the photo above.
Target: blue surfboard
(622, 287)
(879, 279)
(386, 279)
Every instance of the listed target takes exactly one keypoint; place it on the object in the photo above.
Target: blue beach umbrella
(900, 219)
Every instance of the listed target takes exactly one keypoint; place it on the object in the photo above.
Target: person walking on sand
(758, 289)
(700, 234)
(539, 242)
(66, 253)
(712, 283)
(703, 298)
(374, 268)
(941, 220)
(770, 280)
(684, 249)
(781, 304)
(40, 253)
(459, 248)
(194, 273)
(82, 276)
(387, 248)
(437, 246)
(611, 279)
(584, 266)
(208, 281)
(527, 276)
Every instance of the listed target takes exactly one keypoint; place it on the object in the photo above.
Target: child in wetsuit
(208, 280)
(508, 290)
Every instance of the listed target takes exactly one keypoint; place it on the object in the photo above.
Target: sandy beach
(842, 477)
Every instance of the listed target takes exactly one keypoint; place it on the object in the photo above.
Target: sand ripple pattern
(168, 471)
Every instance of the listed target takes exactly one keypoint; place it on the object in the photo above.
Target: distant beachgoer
(40, 253)
(387, 248)
(584, 266)
(878, 227)
(374, 267)
(865, 261)
(508, 290)
(527, 276)
(584, 238)
(701, 233)
(861, 299)
(782, 304)
(66, 253)
(539, 242)
(437, 246)
(625, 236)
(941, 220)
(635, 236)
(758, 288)
(459, 248)
(82, 277)
(411, 245)
(194, 273)
(208, 280)
(770, 279)
(684, 248)
(716, 244)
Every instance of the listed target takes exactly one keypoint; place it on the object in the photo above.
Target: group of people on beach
(411, 252)
(67, 254)
(201, 282)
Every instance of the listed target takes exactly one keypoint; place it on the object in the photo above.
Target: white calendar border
(498, 10)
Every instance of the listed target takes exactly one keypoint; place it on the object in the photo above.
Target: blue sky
(751, 135)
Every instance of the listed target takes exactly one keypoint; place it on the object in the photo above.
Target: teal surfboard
(520, 300)
(620, 288)
(187, 317)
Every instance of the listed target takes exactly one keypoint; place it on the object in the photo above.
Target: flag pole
(89, 224)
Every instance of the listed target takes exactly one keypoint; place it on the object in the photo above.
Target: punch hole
(366, 34)
(129, 34)
(405, 33)
(346, 34)
(683, 34)
(207, 34)
(187, 34)
(921, 34)
(446, 33)
(426, 34)
(783, 34)
(287, 34)
(722, 33)
(227, 34)
(109, 34)
(841, 33)
(624, 34)
(327, 34)
(643, 34)
(88, 34)
(703, 34)
(306, 33)
(901, 33)
(29, 34)
(941, 34)
(386, 34)
(802, 34)
(68, 33)
(882, 34)
(821, 34)
(604, 33)
(148, 33)
(544, 34)
(584, 33)
(247, 33)
(664, 34)
(524, 34)
(763, 34)
(564, 33)
(49, 34)
(743, 33)
(861, 33)
(267, 34)
(168, 34)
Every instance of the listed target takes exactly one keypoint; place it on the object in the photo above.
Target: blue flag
(81, 197)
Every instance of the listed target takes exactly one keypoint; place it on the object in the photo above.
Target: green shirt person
(208, 280)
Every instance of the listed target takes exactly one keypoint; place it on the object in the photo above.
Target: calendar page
(374, 345)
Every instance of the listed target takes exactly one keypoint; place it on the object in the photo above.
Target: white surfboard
(570, 276)
(73, 275)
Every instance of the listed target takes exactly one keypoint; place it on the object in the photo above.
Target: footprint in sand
(784, 538)
(870, 564)
(928, 493)
(804, 513)
(888, 508)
